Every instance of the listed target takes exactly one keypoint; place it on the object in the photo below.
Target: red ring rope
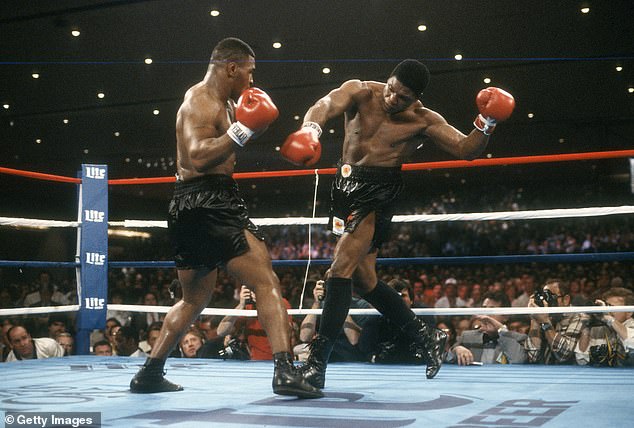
(329, 171)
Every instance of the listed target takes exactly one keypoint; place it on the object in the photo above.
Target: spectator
(552, 338)
(127, 342)
(345, 345)
(124, 317)
(191, 342)
(46, 294)
(490, 342)
(56, 325)
(141, 321)
(24, 347)
(208, 326)
(519, 323)
(67, 341)
(112, 324)
(527, 285)
(609, 338)
(103, 348)
(451, 298)
(250, 327)
(5, 346)
(153, 333)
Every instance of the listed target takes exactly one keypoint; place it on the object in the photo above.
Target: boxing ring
(238, 393)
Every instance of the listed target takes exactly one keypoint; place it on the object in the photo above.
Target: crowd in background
(430, 285)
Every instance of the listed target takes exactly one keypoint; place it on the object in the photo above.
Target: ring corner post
(93, 254)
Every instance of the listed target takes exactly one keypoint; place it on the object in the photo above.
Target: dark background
(559, 63)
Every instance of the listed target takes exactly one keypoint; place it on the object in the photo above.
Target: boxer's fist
(254, 113)
(495, 105)
(302, 147)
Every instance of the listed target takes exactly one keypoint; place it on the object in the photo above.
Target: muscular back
(201, 123)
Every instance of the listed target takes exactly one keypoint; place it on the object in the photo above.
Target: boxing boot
(427, 343)
(288, 380)
(314, 370)
(151, 379)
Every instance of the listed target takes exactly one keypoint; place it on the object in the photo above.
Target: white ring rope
(418, 311)
(524, 310)
(38, 310)
(290, 221)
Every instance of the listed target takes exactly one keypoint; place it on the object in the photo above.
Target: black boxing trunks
(207, 219)
(359, 190)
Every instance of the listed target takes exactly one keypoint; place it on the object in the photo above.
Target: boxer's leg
(350, 249)
(197, 285)
(254, 269)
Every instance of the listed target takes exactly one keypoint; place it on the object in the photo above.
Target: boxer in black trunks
(208, 221)
(384, 124)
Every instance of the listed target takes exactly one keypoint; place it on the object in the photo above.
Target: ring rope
(406, 218)
(458, 260)
(38, 310)
(516, 160)
(524, 310)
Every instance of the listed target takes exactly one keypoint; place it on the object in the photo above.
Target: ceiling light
(38, 141)
(155, 112)
(101, 95)
(75, 33)
(489, 155)
(422, 27)
(65, 121)
(296, 117)
(277, 45)
(562, 140)
(630, 90)
(531, 115)
(6, 106)
(458, 57)
(127, 160)
(331, 131)
(214, 12)
(325, 70)
(619, 68)
(487, 80)
(35, 75)
(116, 133)
(148, 61)
(585, 10)
(85, 151)
(277, 148)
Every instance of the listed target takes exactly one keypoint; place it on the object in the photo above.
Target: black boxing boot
(288, 380)
(314, 370)
(427, 343)
(150, 379)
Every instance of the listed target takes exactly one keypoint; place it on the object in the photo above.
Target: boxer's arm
(208, 145)
(335, 103)
(452, 140)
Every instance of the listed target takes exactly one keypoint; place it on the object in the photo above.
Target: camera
(235, 350)
(547, 296)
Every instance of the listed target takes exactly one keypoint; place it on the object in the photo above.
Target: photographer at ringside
(249, 327)
(608, 340)
(552, 338)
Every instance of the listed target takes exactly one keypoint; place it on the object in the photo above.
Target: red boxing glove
(254, 113)
(303, 147)
(495, 105)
